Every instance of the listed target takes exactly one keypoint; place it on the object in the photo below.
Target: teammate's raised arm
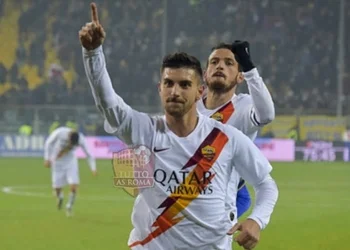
(120, 119)
(263, 110)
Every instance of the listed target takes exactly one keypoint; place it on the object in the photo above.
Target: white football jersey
(185, 209)
(240, 113)
(59, 152)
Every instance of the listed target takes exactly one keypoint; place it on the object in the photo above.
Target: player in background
(228, 66)
(185, 209)
(59, 155)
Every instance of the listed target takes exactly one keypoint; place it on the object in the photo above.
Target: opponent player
(185, 209)
(227, 66)
(59, 156)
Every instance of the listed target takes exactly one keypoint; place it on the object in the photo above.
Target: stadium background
(301, 48)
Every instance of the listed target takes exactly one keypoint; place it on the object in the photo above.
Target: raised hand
(242, 54)
(92, 34)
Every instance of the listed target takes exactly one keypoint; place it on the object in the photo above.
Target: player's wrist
(246, 64)
(92, 52)
(257, 221)
(251, 74)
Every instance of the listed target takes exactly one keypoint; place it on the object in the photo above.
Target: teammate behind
(185, 209)
(59, 156)
(228, 66)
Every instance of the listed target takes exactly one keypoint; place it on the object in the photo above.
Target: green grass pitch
(312, 212)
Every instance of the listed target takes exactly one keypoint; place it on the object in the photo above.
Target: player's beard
(177, 109)
(221, 87)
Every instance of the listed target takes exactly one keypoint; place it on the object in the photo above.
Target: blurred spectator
(294, 44)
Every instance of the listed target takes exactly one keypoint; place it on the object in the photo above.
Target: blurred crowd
(293, 43)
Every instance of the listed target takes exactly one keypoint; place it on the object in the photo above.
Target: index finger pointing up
(94, 15)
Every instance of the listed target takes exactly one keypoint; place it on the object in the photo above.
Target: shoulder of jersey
(243, 98)
(159, 121)
(226, 128)
(63, 129)
(156, 117)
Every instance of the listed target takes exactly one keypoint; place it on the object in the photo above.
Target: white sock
(71, 200)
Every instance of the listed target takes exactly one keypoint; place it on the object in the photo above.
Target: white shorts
(63, 177)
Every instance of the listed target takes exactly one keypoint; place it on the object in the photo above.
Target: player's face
(179, 90)
(222, 73)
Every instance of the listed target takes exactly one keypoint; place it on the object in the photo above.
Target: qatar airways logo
(185, 183)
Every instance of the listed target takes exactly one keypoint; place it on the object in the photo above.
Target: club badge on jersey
(218, 116)
(208, 152)
(224, 113)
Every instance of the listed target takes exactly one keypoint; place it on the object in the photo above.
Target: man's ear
(240, 78)
(200, 92)
(158, 86)
(204, 76)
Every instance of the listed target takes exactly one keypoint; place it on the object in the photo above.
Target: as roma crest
(208, 152)
(218, 116)
(133, 169)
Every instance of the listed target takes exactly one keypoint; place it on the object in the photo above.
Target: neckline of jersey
(216, 109)
(192, 135)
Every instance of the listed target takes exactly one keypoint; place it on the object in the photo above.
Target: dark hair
(74, 138)
(182, 60)
(223, 46)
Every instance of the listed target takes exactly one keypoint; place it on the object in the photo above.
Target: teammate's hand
(242, 54)
(47, 164)
(94, 173)
(249, 234)
(92, 34)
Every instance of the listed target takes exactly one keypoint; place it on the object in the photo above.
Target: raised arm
(120, 119)
(262, 111)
